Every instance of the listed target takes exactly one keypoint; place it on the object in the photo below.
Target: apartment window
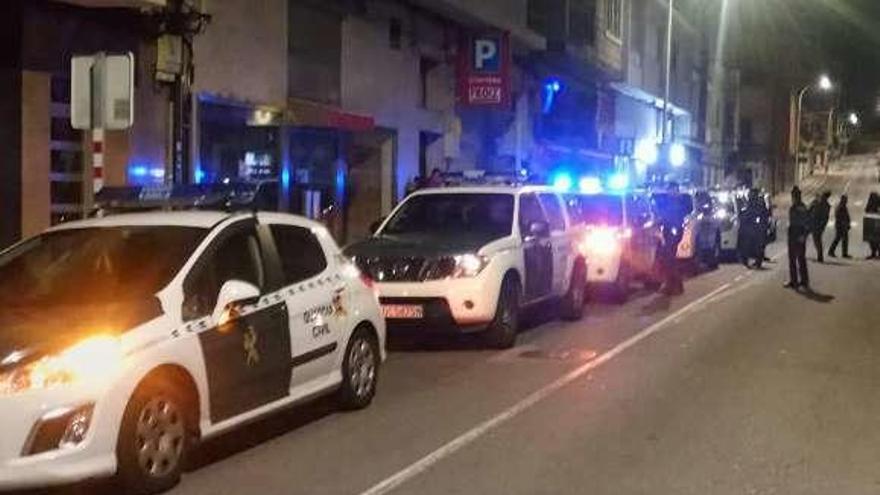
(395, 34)
(582, 21)
(614, 18)
(426, 65)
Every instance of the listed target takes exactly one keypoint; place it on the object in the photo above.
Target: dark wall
(53, 32)
(10, 122)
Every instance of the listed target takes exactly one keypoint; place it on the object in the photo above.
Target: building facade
(345, 102)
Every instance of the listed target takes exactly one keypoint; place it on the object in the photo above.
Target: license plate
(403, 311)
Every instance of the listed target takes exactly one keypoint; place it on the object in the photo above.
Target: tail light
(604, 240)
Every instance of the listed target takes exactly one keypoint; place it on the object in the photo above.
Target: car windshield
(601, 209)
(675, 204)
(94, 265)
(487, 215)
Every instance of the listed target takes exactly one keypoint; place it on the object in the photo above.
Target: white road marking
(396, 480)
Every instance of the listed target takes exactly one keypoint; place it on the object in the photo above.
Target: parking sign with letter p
(487, 56)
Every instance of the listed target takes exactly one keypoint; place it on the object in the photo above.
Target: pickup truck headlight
(91, 361)
(469, 265)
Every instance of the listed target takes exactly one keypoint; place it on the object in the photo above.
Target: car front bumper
(21, 417)
(459, 305)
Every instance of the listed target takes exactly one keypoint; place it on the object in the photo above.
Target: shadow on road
(659, 304)
(818, 297)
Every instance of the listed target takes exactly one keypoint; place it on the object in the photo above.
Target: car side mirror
(233, 295)
(539, 229)
(374, 227)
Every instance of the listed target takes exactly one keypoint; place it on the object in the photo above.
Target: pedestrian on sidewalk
(841, 228)
(820, 213)
(871, 225)
(798, 230)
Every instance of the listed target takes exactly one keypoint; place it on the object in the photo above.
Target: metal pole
(797, 133)
(669, 26)
(829, 140)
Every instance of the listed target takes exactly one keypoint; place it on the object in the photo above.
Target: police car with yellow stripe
(126, 339)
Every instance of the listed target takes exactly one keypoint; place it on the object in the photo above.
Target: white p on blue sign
(487, 54)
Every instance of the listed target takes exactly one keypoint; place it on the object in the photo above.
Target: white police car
(471, 259)
(729, 204)
(620, 241)
(126, 339)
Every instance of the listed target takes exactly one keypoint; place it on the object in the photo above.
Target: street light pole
(670, 17)
(797, 132)
(825, 84)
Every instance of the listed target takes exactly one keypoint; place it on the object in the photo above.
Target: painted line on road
(396, 480)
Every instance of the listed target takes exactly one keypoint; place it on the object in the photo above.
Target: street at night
(738, 387)
(431, 247)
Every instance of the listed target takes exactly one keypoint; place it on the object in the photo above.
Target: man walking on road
(841, 228)
(798, 230)
(820, 213)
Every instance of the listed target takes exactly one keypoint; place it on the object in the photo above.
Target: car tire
(620, 289)
(155, 438)
(572, 305)
(360, 370)
(711, 258)
(654, 280)
(501, 333)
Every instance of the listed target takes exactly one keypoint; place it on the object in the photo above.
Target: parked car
(730, 202)
(125, 340)
(473, 259)
(620, 240)
(701, 239)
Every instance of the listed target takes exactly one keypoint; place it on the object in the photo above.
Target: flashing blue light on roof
(590, 185)
(553, 85)
(199, 175)
(285, 179)
(157, 173)
(562, 182)
(619, 181)
(139, 171)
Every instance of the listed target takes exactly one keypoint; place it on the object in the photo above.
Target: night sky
(798, 39)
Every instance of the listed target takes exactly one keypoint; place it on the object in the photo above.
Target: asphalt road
(738, 387)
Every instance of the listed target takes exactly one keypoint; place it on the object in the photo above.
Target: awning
(304, 113)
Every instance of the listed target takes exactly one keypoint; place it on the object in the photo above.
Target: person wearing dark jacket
(820, 213)
(871, 226)
(841, 228)
(753, 230)
(798, 229)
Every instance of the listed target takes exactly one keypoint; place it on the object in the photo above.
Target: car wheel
(155, 438)
(654, 280)
(711, 257)
(620, 290)
(501, 333)
(360, 370)
(572, 308)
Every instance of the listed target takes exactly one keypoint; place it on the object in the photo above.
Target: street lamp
(824, 84)
(854, 118)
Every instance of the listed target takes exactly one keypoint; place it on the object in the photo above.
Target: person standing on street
(871, 226)
(841, 228)
(798, 230)
(753, 230)
(820, 213)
